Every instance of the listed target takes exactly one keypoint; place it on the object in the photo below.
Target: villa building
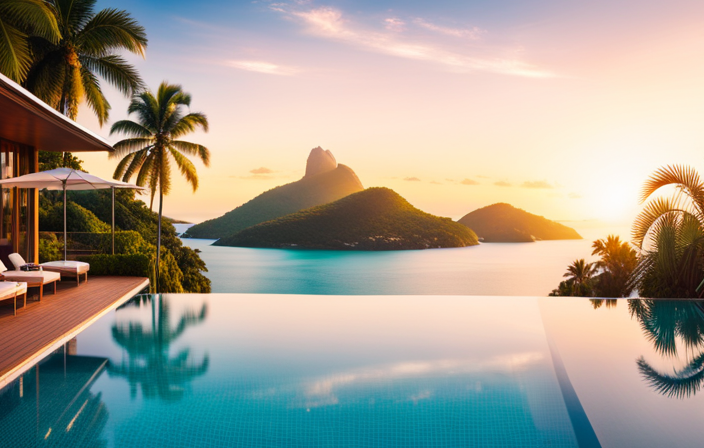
(27, 126)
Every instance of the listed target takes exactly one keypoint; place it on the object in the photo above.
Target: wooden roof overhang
(26, 119)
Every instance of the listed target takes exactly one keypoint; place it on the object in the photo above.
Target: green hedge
(137, 265)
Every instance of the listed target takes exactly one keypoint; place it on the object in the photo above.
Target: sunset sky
(560, 108)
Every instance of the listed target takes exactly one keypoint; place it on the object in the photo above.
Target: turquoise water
(368, 371)
(489, 269)
(497, 269)
(271, 371)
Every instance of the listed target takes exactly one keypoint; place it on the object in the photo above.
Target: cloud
(411, 179)
(502, 183)
(574, 196)
(469, 33)
(538, 184)
(434, 182)
(263, 67)
(394, 24)
(262, 170)
(449, 180)
(332, 24)
(469, 182)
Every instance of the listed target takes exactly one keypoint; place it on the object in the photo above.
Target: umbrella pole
(113, 220)
(65, 238)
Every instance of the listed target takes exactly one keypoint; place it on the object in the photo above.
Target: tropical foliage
(609, 276)
(579, 276)
(156, 144)
(669, 233)
(136, 231)
(20, 19)
(66, 71)
(614, 267)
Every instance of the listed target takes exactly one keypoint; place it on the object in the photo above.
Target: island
(504, 223)
(373, 219)
(325, 181)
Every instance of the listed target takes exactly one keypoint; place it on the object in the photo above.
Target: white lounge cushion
(10, 289)
(76, 267)
(32, 277)
(17, 260)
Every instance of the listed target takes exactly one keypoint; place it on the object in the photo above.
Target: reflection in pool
(669, 324)
(272, 371)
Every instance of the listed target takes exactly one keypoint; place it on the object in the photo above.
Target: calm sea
(497, 269)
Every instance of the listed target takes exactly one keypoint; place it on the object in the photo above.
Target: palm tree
(18, 20)
(579, 273)
(67, 71)
(669, 234)
(160, 124)
(617, 262)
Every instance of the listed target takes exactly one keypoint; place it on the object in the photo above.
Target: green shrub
(50, 249)
(136, 265)
(78, 219)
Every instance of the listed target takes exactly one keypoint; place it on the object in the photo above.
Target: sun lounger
(13, 290)
(32, 278)
(64, 267)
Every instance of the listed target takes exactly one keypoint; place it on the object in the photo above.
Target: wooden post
(34, 201)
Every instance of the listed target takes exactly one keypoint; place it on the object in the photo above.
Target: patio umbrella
(69, 179)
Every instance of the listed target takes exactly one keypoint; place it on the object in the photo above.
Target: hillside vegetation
(503, 223)
(373, 219)
(280, 201)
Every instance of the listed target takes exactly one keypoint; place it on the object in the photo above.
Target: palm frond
(651, 213)
(15, 58)
(122, 166)
(129, 145)
(19, 19)
(193, 149)
(116, 71)
(35, 16)
(189, 123)
(685, 178)
(164, 172)
(140, 158)
(145, 171)
(73, 15)
(188, 170)
(129, 127)
(112, 29)
(94, 96)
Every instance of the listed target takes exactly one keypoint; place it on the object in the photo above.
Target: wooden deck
(41, 327)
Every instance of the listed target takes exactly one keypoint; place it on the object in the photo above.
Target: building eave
(26, 119)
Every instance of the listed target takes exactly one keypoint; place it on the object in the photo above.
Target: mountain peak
(320, 161)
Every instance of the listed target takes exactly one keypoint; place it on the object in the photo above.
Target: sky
(560, 108)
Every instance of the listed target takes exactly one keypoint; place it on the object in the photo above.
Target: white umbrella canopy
(57, 178)
(69, 179)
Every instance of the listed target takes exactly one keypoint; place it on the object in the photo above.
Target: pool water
(368, 371)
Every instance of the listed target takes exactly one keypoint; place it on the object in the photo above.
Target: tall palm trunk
(158, 239)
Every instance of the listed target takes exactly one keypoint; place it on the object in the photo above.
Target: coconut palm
(579, 273)
(18, 20)
(68, 71)
(669, 234)
(616, 264)
(156, 144)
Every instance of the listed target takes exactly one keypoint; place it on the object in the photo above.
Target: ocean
(490, 269)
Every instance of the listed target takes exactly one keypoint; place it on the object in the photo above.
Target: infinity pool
(364, 371)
